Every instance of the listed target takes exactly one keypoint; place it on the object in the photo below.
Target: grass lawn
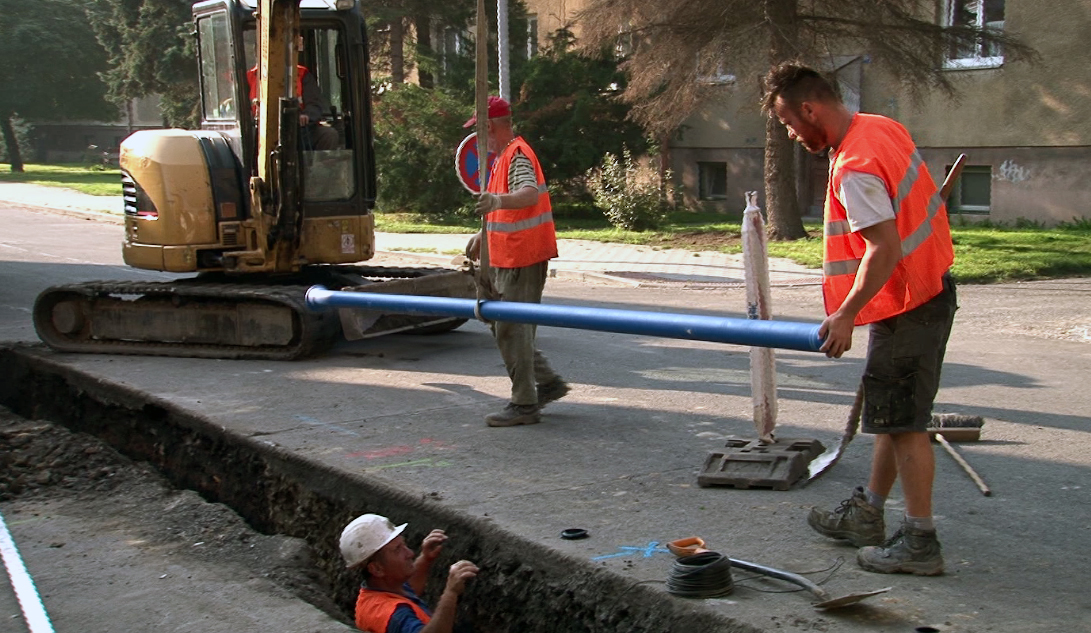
(984, 253)
(106, 182)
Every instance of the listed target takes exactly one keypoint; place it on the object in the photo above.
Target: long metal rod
(781, 334)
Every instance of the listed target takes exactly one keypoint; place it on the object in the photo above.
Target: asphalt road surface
(619, 455)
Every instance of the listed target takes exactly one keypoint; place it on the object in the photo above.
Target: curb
(83, 214)
(554, 273)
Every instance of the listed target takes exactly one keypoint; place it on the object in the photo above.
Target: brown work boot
(909, 551)
(515, 415)
(552, 391)
(855, 521)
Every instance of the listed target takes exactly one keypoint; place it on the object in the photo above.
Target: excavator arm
(276, 189)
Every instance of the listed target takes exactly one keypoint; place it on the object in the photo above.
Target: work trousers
(526, 366)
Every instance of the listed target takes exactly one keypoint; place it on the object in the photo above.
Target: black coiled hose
(704, 575)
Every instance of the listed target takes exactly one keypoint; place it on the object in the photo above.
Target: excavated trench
(523, 586)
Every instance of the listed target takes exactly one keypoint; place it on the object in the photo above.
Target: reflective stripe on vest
(375, 608)
(520, 237)
(880, 146)
(520, 225)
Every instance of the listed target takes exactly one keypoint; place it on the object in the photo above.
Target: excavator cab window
(217, 72)
(328, 157)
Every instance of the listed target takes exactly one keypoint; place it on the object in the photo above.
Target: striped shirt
(521, 173)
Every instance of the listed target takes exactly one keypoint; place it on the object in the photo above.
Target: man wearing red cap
(522, 240)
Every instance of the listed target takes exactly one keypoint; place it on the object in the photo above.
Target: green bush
(416, 134)
(629, 199)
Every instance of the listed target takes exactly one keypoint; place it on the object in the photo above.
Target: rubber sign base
(750, 464)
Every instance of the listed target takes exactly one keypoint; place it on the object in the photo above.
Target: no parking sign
(467, 165)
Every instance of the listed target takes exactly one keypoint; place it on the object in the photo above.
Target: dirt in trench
(47, 471)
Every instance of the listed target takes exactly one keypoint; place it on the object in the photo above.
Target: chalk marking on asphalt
(427, 461)
(306, 419)
(25, 592)
(628, 550)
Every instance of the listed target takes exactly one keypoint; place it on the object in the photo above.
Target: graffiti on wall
(1012, 171)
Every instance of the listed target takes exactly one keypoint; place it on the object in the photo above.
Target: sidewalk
(618, 264)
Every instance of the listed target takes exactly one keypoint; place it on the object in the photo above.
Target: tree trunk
(781, 201)
(666, 187)
(397, 51)
(11, 143)
(423, 25)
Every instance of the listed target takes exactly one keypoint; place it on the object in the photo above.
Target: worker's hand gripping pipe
(780, 334)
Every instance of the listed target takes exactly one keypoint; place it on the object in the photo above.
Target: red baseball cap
(497, 108)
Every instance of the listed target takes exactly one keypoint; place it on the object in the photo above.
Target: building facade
(88, 141)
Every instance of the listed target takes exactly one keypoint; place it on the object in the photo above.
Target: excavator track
(199, 318)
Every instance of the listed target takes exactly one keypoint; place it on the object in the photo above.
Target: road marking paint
(25, 592)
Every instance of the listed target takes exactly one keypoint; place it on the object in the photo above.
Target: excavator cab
(200, 201)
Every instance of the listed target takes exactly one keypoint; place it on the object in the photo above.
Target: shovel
(824, 599)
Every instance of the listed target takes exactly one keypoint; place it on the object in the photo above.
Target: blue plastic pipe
(751, 332)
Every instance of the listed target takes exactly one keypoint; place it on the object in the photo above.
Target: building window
(712, 181)
(454, 46)
(980, 14)
(718, 77)
(532, 36)
(623, 46)
(972, 194)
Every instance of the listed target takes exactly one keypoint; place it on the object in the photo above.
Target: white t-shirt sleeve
(865, 199)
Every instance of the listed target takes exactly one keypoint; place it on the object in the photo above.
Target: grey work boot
(909, 551)
(515, 415)
(552, 391)
(855, 521)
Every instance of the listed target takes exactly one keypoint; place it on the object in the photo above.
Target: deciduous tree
(50, 67)
(568, 108)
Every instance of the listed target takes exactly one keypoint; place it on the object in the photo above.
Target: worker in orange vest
(389, 600)
(522, 240)
(313, 106)
(887, 257)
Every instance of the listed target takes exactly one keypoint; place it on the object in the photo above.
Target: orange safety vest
(252, 79)
(882, 147)
(520, 237)
(375, 608)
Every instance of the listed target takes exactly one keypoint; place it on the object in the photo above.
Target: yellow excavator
(260, 203)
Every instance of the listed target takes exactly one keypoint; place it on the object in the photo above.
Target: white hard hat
(366, 535)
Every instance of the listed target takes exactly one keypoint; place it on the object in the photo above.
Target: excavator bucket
(360, 324)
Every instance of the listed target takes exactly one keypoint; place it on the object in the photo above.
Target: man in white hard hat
(393, 578)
